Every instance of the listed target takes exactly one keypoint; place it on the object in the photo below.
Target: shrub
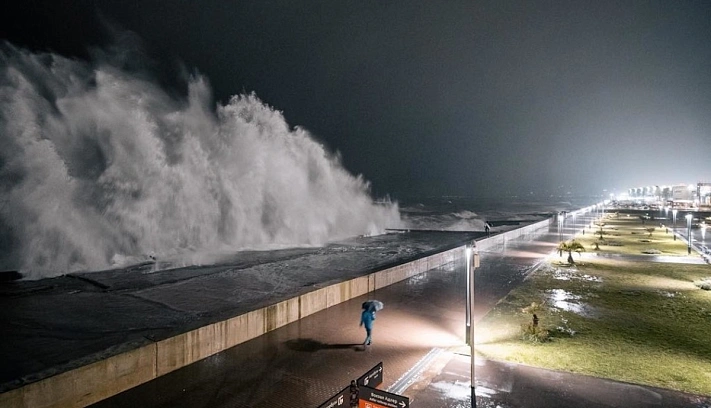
(535, 334)
(533, 308)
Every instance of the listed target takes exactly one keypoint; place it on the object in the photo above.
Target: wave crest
(100, 166)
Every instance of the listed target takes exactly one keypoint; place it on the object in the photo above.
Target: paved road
(304, 363)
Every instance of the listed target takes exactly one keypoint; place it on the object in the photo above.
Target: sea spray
(100, 167)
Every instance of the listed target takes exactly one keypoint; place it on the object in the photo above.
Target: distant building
(682, 193)
(703, 192)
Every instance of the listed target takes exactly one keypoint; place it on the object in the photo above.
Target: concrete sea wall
(498, 240)
(102, 379)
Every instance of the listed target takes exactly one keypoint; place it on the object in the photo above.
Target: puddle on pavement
(564, 300)
(573, 274)
(486, 398)
(457, 391)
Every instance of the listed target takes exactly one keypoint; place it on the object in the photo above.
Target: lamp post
(688, 233)
(572, 233)
(472, 258)
(674, 223)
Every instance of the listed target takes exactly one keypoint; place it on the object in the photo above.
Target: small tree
(650, 230)
(602, 224)
(569, 247)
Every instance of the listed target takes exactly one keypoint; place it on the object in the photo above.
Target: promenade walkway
(304, 363)
(59, 325)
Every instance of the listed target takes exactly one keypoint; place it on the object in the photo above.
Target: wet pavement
(54, 325)
(507, 385)
(304, 363)
(694, 259)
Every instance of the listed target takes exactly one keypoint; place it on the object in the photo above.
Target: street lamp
(468, 251)
(472, 257)
(688, 233)
(572, 233)
(674, 211)
(703, 234)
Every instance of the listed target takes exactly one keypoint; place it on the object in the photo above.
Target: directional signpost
(373, 378)
(366, 393)
(340, 400)
(372, 398)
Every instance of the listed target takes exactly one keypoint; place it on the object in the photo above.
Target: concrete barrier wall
(401, 272)
(491, 243)
(100, 380)
(88, 384)
(103, 379)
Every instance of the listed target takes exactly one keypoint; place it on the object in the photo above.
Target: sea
(472, 213)
(102, 169)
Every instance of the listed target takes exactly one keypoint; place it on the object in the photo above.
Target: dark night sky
(438, 97)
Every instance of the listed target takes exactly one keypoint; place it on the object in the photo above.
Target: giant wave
(100, 167)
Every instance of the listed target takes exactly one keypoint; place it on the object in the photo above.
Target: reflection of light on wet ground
(567, 301)
(482, 391)
(484, 396)
(677, 259)
(564, 328)
(572, 274)
(457, 391)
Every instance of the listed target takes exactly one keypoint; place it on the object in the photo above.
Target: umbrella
(373, 305)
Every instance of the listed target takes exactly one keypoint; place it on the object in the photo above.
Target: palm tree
(569, 247)
(602, 224)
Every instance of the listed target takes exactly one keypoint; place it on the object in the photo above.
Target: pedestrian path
(60, 325)
(508, 385)
(691, 259)
(304, 363)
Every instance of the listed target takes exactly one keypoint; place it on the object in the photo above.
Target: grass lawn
(635, 321)
(623, 234)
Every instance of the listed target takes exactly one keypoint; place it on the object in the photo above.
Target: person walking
(366, 320)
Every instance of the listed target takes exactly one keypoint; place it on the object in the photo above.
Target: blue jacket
(366, 319)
